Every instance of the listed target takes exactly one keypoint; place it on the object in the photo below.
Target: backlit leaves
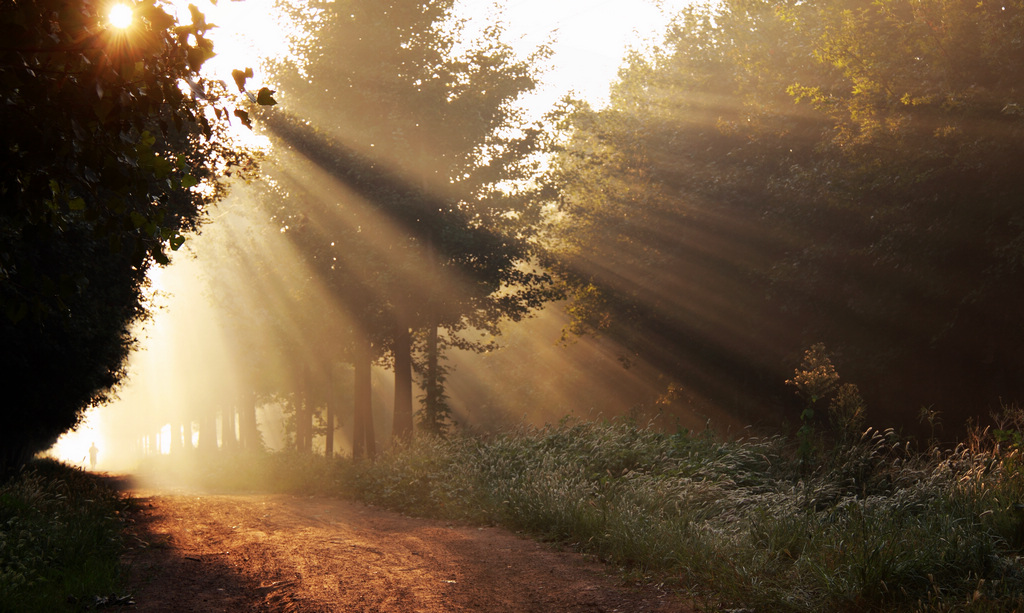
(265, 97)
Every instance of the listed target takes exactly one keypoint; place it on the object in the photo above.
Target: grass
(60, 540)
(875, 526)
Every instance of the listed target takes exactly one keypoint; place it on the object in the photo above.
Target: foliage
(428, 223)
(846, 411)
(1009, 427)
(816, 381)
(816, 377)
(777, 171)
(60, 540)
(108, 165)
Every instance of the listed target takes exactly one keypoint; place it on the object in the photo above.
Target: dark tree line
(101, 153)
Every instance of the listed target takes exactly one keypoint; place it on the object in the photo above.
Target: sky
(589, 37)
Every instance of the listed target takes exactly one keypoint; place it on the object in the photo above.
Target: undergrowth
(60, 540)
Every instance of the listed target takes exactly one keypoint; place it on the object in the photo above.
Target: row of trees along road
(399, 179)
(107, 164)
(786, 172)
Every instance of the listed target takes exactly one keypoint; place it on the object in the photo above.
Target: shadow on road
(170, 566)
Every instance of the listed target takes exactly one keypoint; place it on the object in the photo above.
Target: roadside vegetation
(60, 540)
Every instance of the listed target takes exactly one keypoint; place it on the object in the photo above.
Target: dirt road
(283, 553)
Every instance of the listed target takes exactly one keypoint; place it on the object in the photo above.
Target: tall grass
(874, 526)
(60, 540)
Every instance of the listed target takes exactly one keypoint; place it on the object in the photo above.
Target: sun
(120, 16)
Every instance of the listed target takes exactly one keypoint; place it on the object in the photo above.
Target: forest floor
(212, 552)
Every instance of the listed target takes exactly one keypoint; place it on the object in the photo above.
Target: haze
(186, 366)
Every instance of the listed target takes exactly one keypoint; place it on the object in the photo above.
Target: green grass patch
(60, 539)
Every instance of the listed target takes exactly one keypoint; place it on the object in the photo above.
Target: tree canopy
(787, 173)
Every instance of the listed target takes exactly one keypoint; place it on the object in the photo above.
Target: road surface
(199, 552)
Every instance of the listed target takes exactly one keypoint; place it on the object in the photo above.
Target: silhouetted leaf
(244, 117)
(240, 76)
(264, 97)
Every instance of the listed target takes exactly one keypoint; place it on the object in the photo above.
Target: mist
(404, 227)
(187, 379)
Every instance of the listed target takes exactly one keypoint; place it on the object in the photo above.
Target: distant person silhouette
(93, 452)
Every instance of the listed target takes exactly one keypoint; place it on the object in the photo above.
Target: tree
(420, 136)
(800, 172)
(108, 165)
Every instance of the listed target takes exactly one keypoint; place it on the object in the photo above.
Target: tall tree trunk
(248, 433)
(207, 433)
(304, 414)
(401, 429)
(332, 410)
(431, 386)
(177, 438)
(228, 440)
(371, 435)
(363, 444)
